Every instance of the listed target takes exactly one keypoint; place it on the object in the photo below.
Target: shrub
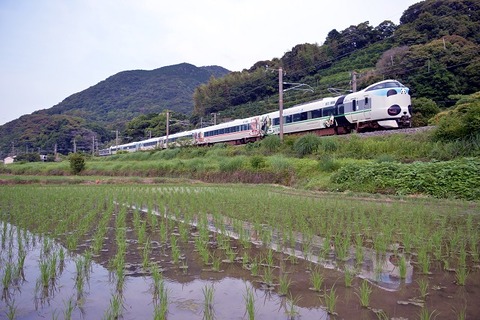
(257, 162)
(77, 163)
(463, 122)
(271, 144)
(327, 164)
(423, 110)
(306, 145)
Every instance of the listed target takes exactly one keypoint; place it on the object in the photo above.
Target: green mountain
(95, 113)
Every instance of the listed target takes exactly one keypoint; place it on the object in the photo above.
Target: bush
(271, 144)
(461, 123)
(77, 163)
(448, 179)
(306, 145)
(257, 162)
(423, 110)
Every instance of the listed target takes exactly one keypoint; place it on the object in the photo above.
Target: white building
(8, 160)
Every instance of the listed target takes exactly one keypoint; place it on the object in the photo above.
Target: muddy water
(184, 289)
(395, 297)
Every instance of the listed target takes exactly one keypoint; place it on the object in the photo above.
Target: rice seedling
(461, 275)
(316, 279)
(331, 300)
(115, 309)
(269, 258)
(7, 276)
(216, 262)
(426, 315)
(461, 314)
(245, 260)
(44, 274)
(175, 249)
(208, 302)
(146, 254)
(402, 266)
(12, 310)
(349, 275)
(69, 307)
(284, 285)
(267, 276)
(423, 287)
(254, 267)
(424, 260)
(249, 299)
(291, 310)
(364, 294)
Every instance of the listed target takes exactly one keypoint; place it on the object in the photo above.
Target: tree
(77, 163)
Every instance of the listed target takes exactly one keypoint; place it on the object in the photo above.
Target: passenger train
(382, 105)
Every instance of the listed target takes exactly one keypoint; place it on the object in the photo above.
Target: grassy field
(396, 164)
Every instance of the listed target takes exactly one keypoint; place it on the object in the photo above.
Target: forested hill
(93, 113)
(128, 94)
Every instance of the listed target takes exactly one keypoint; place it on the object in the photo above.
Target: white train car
(233, 132)
(383, 105)
(386, 105)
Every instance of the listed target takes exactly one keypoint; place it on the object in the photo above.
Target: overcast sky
(51, 49)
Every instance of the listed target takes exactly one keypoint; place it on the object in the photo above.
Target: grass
(364, 294)
(249, 300)
(331, 300)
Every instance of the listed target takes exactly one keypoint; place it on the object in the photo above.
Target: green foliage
(461, 123)
(327, 164)
(423, 110)
(306, 144)
(271, 144)
(77, 163)
(257, 162)
(458, 178)
(28, 157)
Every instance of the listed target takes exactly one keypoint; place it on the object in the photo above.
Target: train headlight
(394, 110)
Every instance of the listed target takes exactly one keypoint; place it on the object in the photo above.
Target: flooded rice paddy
(209, 252)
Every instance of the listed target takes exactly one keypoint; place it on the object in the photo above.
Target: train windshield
(384, 85)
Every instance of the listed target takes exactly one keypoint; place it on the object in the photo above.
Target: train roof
(384, 84)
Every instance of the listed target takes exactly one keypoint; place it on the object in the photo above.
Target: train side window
(303, 116)
(367, 105)
(329, 111)
(296, 117)
(316, 113)
(276, 121)
(288, 119)
(341, 109)
(354, 105)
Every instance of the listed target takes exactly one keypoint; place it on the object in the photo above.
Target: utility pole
(93, 146)
(74, 146)
(116, 138)
(280, 101)
(354, 81)
(168, 126)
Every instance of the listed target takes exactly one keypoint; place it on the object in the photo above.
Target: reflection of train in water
(383, 105)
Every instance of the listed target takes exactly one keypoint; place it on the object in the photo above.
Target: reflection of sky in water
(378, 270)
(185, 300)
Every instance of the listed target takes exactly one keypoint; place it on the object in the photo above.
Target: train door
(367, 106)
